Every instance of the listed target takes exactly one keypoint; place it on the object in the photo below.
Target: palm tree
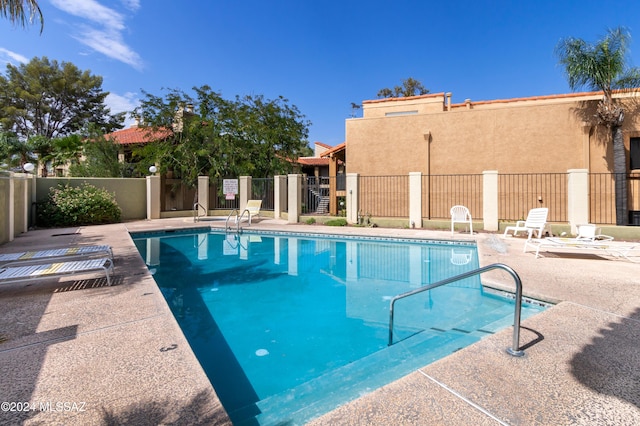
(21, 11)
(602, 66)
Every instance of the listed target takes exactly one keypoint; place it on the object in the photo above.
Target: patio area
(81, 352)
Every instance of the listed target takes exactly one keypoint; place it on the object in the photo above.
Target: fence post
(25, 201)
(12, 207)
(279, 196)
(415, 200)
(203, 193)
(295, 197)
(577, 198)
(352, 197)
(153, 197)
(490, 200)
(245, 191)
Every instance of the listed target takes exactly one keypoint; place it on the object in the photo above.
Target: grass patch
(336, 222)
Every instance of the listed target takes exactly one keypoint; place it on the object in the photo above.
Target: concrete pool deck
(82, 353)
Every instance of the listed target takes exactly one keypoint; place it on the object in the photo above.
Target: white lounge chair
(51, 255)
(13, 274)
(536, 222)
(461, 214)
(590, 232)
(253, 209)
(631, 252)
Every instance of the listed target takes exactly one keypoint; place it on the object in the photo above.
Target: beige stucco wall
(130, 193)
(532, 135)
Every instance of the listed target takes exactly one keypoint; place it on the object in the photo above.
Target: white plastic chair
(461, 214)
(536, 222)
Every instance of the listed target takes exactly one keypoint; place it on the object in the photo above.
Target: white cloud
(13, 57)
(103, 32)
(110, 44)
(122, 103)
(131, 4)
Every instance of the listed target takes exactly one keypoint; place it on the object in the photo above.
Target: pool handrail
(514, 350)
(238, 219)
(196, 211)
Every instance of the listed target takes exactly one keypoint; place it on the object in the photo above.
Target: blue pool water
(290, 326)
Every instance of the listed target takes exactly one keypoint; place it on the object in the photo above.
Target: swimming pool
(290, 326)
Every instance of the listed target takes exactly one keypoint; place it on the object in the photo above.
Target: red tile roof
(138, 135)
(313, 161)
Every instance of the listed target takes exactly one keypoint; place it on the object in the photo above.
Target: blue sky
(321, 55)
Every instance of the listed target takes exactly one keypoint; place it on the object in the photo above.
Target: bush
(81, 205)
(336, 222)
(310, 221)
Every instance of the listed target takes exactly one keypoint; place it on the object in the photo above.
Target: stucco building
(552, 134)
(429, 134)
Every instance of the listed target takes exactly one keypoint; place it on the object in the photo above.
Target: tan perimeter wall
(130, 194)
(533, 135)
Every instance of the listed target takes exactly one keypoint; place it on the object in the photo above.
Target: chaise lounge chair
(25, 273)
(536, 222)
(253, 208)
(51, 255)
(631, 252)
(590, 232)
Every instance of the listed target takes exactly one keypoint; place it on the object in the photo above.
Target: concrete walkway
(80, 352)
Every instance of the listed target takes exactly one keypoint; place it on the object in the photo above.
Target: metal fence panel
(441, 192)
(519, 193)
(263, 189)
(383, 196)
(218, 199)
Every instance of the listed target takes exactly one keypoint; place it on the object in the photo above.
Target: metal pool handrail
(515, 348)
(196, 211)
(238, 219)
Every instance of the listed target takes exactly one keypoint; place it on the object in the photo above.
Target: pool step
(301, 403)
(480, 323)
(417, 349)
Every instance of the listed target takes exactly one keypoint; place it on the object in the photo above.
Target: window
(634, 154)
(398, 113)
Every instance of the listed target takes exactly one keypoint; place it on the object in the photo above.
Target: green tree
(213, 136)
(22, 12)
(99, 157)
(602, 66)
(53, 99)
(14, 152)
(410, 87)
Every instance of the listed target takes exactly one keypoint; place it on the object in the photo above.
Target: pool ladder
(238, 229)
(515, 347)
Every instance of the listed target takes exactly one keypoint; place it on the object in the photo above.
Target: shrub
(336, 222)
(81, 205)
(310, 221)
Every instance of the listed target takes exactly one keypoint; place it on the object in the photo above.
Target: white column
(203, 194)
(352, 197)
(295, 197)
(245, 191)
(577, 198)
(415, 200)
(490, 200)
(11, 232)
(279, 196)
(153, 197)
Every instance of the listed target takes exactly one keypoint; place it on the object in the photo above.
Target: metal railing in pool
(515, 347)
